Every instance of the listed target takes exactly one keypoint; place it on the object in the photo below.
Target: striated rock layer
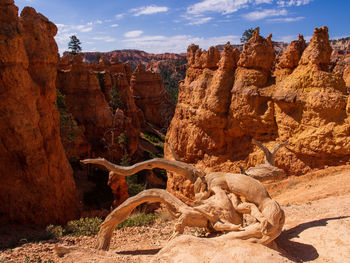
(151, 97)
(110, 104)
(346, 76)
(224, 103)
(37, 185)
(290, 58)
(111, 134)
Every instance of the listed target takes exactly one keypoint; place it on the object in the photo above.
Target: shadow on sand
(139, 252)
(300, 252)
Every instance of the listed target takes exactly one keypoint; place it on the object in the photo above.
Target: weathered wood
(187, 170)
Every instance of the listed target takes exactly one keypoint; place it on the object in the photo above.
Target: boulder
(220, 249)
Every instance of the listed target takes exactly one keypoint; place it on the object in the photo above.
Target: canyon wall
(227, 100)
(110, 105)
(108, 99)
(37, 186)
(151, 97)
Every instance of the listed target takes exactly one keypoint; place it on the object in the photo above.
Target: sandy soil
(317, 229)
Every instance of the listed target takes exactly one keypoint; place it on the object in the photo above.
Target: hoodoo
(37, 185)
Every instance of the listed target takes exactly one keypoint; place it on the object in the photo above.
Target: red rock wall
(151, 97)
(37, 185)
(87, 103)
(222, 108)
(87, 100)
(346, 76)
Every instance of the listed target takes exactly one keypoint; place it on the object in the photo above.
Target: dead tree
(267, 170)
(219, 194)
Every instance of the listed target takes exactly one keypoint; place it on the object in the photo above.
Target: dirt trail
(317, 229)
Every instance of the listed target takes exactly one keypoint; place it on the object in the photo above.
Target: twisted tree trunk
(187, 170)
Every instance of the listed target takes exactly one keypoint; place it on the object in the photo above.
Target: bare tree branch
(278, 146)
(269, 156)
(174, 154)
(188, 171)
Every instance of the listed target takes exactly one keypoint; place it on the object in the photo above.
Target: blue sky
(158, 26)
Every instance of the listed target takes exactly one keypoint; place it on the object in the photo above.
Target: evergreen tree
(247, 34)
(74, 45)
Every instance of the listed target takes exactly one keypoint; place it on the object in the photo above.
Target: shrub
(123, 140)
(171, 77)
(116, 101)
(68, 125)
(84, 226)
(81, 227)
(139, 220)
(134, 189)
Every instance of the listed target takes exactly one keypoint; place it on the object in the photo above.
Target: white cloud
(221, 6)
(177, 43)
(148, 10)
(99, 22)
(284, 3)
(63, 38)
(286, 19)
(263, 2)
(290, 38)
(105, 38)
(134, 33)
(119, 16)
(84, 29)
(287, 39)
(199, 20)
(68, 28)
(114, 25)
(65, 31)
(261, 14)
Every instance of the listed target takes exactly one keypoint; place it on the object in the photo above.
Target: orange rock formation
(290, 58)
(151, 97)
(221, 109)
(346, 76)
(102, 97)
(37, 185)
(88, 104)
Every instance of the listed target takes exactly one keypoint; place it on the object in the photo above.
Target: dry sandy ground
(317, 227)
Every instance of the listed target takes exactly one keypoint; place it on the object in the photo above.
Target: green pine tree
(74, 45)
(247, 34)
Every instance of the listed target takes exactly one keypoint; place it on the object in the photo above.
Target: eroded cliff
(37, 185)
(224, 103)
(111, 105)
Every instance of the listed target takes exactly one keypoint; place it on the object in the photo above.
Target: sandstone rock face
(151, 97)
(110, 104)
(201, 115)
(289, 59)
(111, 134)
(221, 110)
(310, 109)
(37, 184)
(319, 50)
(346, 76)
(117, 91)
(85, 101)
